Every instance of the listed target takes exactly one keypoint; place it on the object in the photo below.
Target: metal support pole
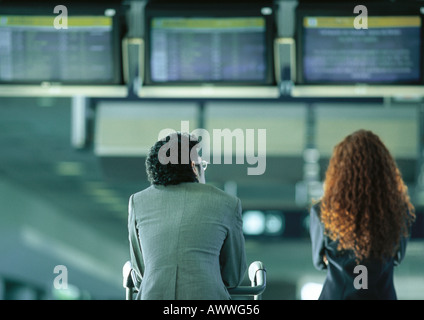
(310, 187)
(201, 115)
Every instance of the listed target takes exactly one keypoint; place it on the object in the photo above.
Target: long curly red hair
(365, 206)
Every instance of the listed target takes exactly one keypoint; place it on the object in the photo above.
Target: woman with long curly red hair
(363, 218)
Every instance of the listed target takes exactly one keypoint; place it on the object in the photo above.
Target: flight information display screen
(208, 50)
(32, 50)
(389, 51)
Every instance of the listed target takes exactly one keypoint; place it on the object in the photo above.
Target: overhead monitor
(231, 45)
(33, 51)
(332, 49)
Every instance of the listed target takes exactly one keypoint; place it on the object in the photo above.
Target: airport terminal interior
(87, 88)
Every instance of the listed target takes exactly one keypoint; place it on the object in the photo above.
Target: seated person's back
(185, 237)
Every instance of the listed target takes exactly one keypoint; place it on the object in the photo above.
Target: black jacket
(340, 281)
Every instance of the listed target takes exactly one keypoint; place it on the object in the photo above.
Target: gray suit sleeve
(135, 248)
(316, 231)
(233, 256)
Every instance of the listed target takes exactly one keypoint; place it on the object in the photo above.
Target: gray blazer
(187, 242)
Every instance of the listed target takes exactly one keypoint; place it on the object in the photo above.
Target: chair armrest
(257, 276)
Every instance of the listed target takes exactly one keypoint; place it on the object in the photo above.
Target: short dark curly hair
(171, 172)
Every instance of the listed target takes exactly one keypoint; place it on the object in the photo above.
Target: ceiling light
(253, 222)
(274, 223)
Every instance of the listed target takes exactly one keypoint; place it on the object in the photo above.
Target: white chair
(257, 276)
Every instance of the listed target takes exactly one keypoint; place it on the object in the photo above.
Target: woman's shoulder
(316, 208)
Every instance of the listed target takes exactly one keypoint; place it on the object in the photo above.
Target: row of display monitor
(231, 45)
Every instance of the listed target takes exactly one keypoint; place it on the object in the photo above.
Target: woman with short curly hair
(363, 218)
